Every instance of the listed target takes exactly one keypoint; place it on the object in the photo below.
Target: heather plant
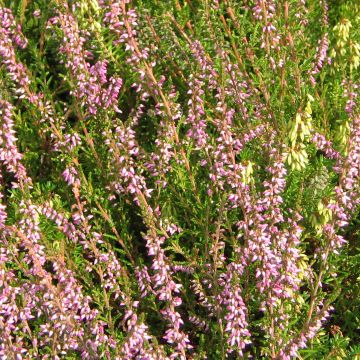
(179, 179)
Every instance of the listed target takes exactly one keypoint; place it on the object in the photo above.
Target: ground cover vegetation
(179, 179)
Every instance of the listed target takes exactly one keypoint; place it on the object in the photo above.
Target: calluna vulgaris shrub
(179, 179)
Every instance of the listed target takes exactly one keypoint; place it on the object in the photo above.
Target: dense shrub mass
(179, 179)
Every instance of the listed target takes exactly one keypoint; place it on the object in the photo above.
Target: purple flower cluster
(236, 311)
(126, 179)
(90, 84)
(264, 11)
(320, 58)
(9, 153)
(11, 37)
(325, 145)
